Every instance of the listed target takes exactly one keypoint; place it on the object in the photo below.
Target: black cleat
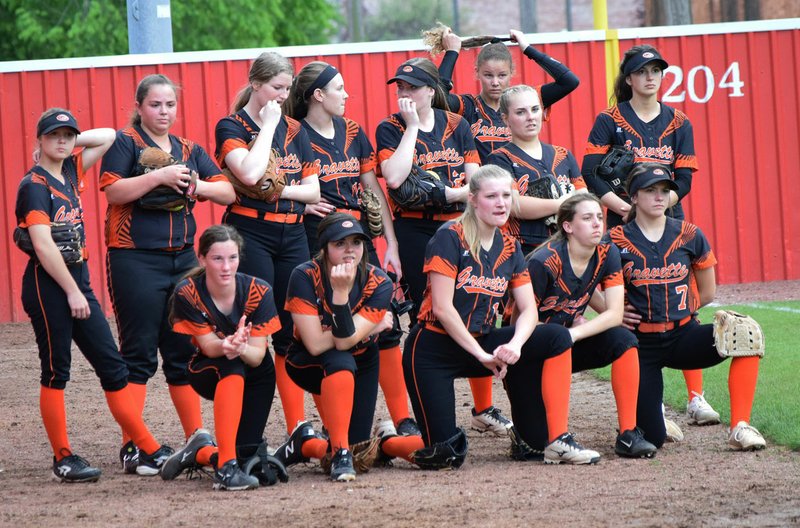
(73, 468)
(186, 458)
(631, 444)
(291, 452)
(150, 465)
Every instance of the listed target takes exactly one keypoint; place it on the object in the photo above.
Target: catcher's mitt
(614, 169)
(419, 190)
(433, 39)
(66, 236)
(737, 335)
(548, 188)
(371, 209)
(268, 188)
(162, 197)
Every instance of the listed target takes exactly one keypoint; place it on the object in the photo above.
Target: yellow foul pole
(599, 7)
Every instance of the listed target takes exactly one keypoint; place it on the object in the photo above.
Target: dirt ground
(698, 482)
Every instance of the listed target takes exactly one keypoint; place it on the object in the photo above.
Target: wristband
(343, 325)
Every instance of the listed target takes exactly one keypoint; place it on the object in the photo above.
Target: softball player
(229, 315)
(470, 265)
(154, 246)
(668, 268)
(656, 133)
(528, 158)
(275, 237)
(339, 306)
(494, 69)
(566, 272)
(347, 165)
(425, 134)
(59, 300)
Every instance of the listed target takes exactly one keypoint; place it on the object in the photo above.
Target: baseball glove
(614, 169)
(268, 188)
(371, 209)
(420, 190)
(66, 236)
(547, 188)
(521, 450)
(162, 197)
(737, 335)
(433, 39)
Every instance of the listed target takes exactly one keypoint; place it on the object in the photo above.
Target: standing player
(528, 158)
(566, 272)
(154, 246)
(494, 69)
(655, 133)
(470, 265)
(58, 297)
(229, 315)
(347, 166)
(668, 268)
(275, 237)
(339, 306)
(423, 133)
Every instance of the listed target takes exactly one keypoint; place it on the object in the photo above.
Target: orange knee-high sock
(121, 405)
(337, 402)
(694, 382)
(203, 456)
(138, 396)
(625, 384)
(392, 383)
(292, 396)
(314, 448)
(402, 446)
(556, 380)
(481, 392)
(318, 404)
(227, 413)
(187, 403)
(54, 416)
(742, 380)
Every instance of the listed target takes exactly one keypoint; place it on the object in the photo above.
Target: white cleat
(700, 411)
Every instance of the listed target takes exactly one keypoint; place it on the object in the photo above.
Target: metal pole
(149, 26)
(527, 16)
(569, 15)
(456, 20)
(600, 12)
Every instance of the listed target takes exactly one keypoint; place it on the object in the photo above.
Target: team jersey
(194, 312)
(479, 284)
(668, 139)
(43, 200)
(560, 294)
(310, 293)
(295, 159)
(342, 160)
(556, 161)
(659, 276)
(132, 227)
(444, 150)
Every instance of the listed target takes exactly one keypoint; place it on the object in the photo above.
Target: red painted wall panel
(744, 196)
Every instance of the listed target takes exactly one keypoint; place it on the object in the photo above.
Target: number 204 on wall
(701, 83)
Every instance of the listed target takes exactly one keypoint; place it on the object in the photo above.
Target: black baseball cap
(651, 176)
(57, 120)
(342, 226)
(413, 75)
(636, 62)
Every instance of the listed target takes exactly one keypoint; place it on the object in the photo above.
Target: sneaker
(291, 452)
(565, 449)
(73, 468)
(521, 450)
(408, 427)
(342, 466)
(186, 458)
(674, 433)
(150, 465)
(383, 431)
(129, 458)
(231, 478)
(745, 437)
(631, 444)
(700, 411)
(491, 420)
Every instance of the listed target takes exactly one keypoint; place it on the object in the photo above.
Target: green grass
(776, 410)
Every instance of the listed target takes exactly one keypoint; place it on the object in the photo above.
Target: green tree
(406, 19)
(31, 29)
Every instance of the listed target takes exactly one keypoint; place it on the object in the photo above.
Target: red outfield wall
(738, 83)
